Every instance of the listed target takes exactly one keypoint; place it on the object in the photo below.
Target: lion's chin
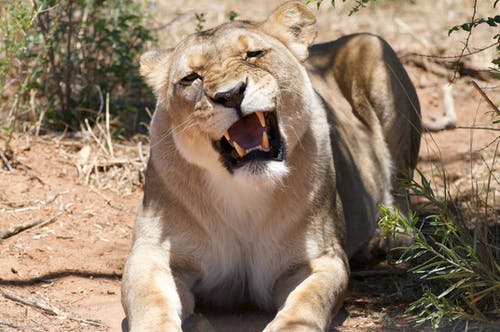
(262, 173)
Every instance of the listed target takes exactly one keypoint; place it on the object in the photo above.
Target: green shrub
(61, 57)
(459, 264)
(493, 22)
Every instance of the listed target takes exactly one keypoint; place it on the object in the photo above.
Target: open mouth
(254, 137)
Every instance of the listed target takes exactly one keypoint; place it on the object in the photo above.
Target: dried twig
(114, 162)
(486, 98)
(32, 303)
(141, 155)
(108, 132)
(184, 15)
(6, 162)
(18, 206)
(448, 57)
(441, 66)
(477, 128)
(21, 228)
(91, 132)
(107, 200)
(12, 325)
(48, 309)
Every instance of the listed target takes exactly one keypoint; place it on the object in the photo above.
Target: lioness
(266, 170)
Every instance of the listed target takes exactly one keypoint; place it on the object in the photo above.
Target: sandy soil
(74, 263)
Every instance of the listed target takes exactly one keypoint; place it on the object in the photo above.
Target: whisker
(180, 128)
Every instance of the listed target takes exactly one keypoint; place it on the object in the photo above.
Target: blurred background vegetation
(61, 60)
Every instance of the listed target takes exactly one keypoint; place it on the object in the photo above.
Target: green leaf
(455, 28)
(491, 22)
(466, 26)
(232, 15)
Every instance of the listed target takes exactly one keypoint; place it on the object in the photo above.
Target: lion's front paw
(292, 325)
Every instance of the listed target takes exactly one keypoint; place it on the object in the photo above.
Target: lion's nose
(233, 97)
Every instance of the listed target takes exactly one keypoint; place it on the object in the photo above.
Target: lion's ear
(294, 25)
(154, 65)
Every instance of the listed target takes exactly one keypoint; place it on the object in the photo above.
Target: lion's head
(237, 95)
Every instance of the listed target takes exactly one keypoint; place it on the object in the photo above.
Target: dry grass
(103, 162)
(120, 172)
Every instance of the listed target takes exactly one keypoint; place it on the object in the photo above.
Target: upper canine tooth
(265, 142)
(239, 149)
(226, 135)
(262, 120)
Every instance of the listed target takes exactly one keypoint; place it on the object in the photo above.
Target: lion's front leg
(153, 300)
(311, 295)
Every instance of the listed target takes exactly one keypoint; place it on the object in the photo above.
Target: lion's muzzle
(255, 137)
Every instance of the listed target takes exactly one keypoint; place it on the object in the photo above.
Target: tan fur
(278, 234)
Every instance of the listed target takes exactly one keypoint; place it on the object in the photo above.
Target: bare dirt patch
(74, 263)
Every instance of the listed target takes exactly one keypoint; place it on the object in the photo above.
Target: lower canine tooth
(239, 149)
(265, 142)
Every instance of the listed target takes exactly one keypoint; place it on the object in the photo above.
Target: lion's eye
(255, 54)
(189, 79)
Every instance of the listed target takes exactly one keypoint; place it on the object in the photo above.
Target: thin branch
(21, 228)
(440, 67)
(477, 127)
(449, 57)
(489, 144)
(48, 309)
(466, 45)
(172, 21)
(486, 98)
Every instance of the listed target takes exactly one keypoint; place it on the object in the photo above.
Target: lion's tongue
(247, 132)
